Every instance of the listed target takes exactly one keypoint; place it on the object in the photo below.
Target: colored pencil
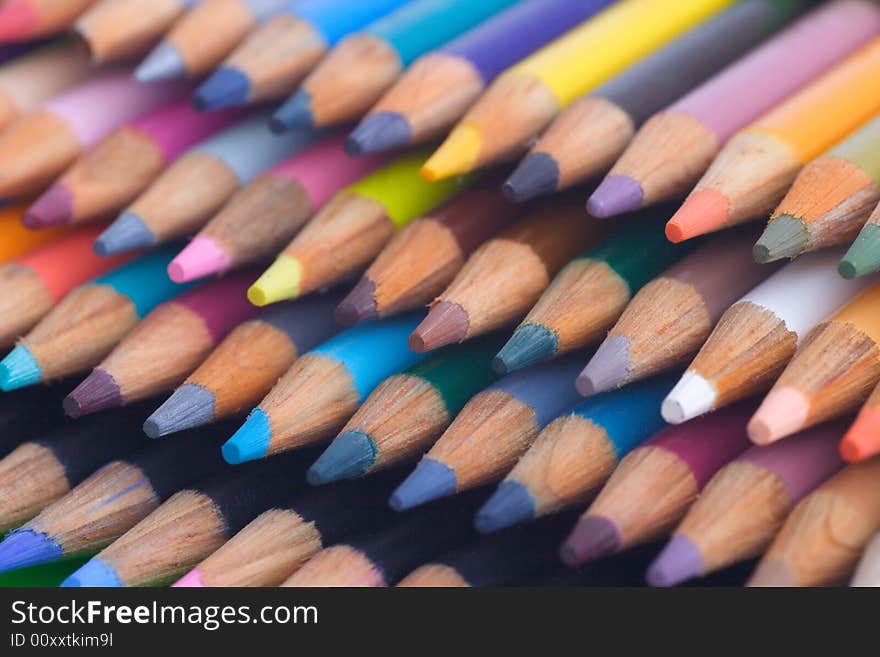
(490, 433)
(40, 146)
(741, 186)
(323, 389)
(675, 147)
(191, 524)
(112, 499)
(274, 59)
(505, 276)
(122, 165)
(506, 559)
(35, 77)
(745, 503)
(423, 258)
(32, 284)
(757, 336)
(592, 132)
(574, 455)
(832, 373)
(524, 99)
(829, 201)
(264, 215)
(244, 367)
(669, 318)
(868, 571)
(22, 20)
(186, 52)
(119, 29)
(275, 544)
(863, 256)
(589, 294)
(352, 228)
(655, 484)
(198, 183)
(862, 440)
(45, 467)
(823, 538)
(362, 67)
(440, 86)
(28, 413)
(382, 556)
(406, 413)
(165, 347)
(85, 326)
(15, 239)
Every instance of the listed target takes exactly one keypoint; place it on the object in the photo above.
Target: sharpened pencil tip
(847, 269)
(296, 112)
(529, 345)
(227, 87)
(783, 412)
(251, 441)
(615, 195)
(95, 573)
(163, 63)
(862, 441)
(609, 368)
(189, 406)
(127, 233)
(446, 323)
(53, 208)
(378, 132)
(350, 455)
(593, 537)
(536, 175)
(457, 155)
(19, 369)
(863, 256)
(279, 282)
(693, 395)
(511, 504)
(430, 481)
(678, 562)
(704, 211)
(24, 547)
(201, 257)
(98, 392)
(359, 306)
(773, 573)
(784, 237)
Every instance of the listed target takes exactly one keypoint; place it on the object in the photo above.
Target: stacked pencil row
(643, 316)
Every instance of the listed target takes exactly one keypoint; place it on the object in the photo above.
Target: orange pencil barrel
(15, 239)
(826, 112)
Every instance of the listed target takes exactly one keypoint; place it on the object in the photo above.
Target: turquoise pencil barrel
(575, 453)
(324, 388)
(372, 352)
(144, 281)
(630, 415)
(335, 19)
(423, 25)
(75, 335)
(355, 74)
